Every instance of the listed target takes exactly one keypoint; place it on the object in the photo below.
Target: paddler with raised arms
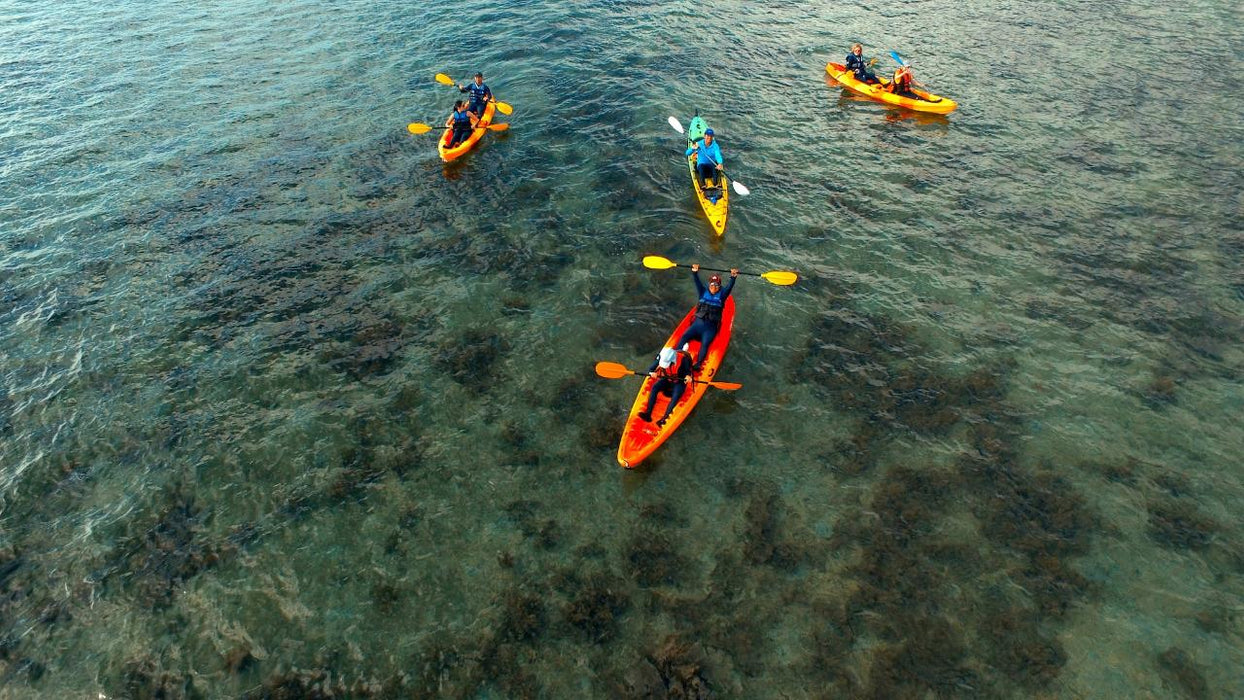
(707, 312)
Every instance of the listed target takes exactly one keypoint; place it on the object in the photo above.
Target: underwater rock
(595, 610)
(1178, 670)
(523, 618)
(1018, 649)
(471, 359)
(642, 681)
(653, 561)
(1160, 393)
(170, 551)
(682, 666)
(239, 659)
(141, 679)
(930, 659)
(1177, 525)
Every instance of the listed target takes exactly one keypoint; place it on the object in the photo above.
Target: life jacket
(461, 119)
(856, 65)
(671, 372)
(711, 305)
(478, 92)
(903, 79)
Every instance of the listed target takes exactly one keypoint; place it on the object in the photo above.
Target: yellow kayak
(928, 102)
(715, 211)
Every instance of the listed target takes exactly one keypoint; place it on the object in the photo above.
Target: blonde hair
(857, 46)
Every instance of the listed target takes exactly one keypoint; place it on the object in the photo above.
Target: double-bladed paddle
(781, 278)
(420, 128)
(613, 370)
(738, 186)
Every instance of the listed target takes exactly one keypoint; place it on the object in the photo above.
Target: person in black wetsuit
(462, 122)
(856, 64)
(480, 94)
(672, 373)
(707, 312)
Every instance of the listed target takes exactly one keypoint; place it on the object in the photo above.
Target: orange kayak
(928, 102)
(448, 154)
(641, 438)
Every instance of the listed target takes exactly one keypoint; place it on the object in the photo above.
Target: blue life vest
(711, 305)
(462, 119)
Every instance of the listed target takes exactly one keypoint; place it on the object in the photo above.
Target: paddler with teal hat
(707, 163)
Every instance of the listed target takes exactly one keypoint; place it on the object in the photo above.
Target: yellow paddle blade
(612, 370)
(498, 127)
(781, 278)
(726, 386)
(505, 108)
(444, 79)
(656, 262)
(418, 128)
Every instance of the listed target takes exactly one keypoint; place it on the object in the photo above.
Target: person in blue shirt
(856, 64)
(707, 313)
(707, 160)
(672, 372)
(462, 122)
(480, 94)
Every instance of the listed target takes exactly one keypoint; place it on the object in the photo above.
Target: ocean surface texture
(289, 406)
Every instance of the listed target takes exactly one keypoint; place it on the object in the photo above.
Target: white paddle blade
(738, 187)
(676, 124)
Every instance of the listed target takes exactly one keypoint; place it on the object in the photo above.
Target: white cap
(666, 358)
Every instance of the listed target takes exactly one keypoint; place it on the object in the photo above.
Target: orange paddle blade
(613, 370)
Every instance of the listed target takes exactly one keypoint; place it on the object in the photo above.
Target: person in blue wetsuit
(707, 313)
(707, 160)
(672, 372)
(462, 122)
(856, 64)
(480, 94)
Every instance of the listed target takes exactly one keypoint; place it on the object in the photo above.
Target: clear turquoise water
(286, 403)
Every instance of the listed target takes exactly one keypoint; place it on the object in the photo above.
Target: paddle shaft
(694, 381)
(718, 269)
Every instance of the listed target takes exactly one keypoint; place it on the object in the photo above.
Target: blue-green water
(287, 404)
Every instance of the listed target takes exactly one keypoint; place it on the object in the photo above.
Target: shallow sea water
(288, 405)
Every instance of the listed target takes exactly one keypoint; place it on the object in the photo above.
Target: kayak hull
(448, 154)
(929, 102)
(717, 212)
(641, 438)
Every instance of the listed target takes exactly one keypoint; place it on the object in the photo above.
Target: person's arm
(699, 286)
(487, 93)
(474, 119)
(694, 146)
(717, 154)
(652, 370)
(449, 121)
(734, 275)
